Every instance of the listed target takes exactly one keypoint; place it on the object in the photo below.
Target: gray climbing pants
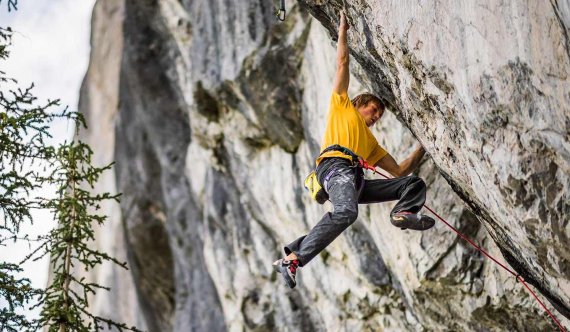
(347, 188)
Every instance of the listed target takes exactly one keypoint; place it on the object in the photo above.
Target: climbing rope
(520, 279)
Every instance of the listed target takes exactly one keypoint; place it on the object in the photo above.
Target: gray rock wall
(484, 86)
(218, 112)
(99, 101)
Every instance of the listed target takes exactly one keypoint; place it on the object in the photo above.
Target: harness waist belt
(355, 158)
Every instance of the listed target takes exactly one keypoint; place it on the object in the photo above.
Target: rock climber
(348, 142)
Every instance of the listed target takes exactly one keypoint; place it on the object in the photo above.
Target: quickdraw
(281, 12)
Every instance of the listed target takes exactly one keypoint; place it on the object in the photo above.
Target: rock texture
(99, 100)
(219, 118)
(484, 87)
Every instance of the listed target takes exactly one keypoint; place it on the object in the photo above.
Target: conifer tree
(65, 302)
(23, 130)
(28, 162)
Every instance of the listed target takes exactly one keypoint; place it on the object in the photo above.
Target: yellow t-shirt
(347, 128)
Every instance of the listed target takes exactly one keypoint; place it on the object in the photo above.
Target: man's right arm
(341, 79)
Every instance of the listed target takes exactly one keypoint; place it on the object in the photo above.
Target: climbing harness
(317, 192)
(353, 156)
(281, 12)
(516, 275)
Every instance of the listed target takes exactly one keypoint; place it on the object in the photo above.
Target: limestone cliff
(214, 116)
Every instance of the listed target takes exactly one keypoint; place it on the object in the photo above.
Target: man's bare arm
(341, 79)
(405, 167)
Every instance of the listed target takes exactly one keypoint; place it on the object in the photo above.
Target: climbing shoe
(415, 221)
(288, 270)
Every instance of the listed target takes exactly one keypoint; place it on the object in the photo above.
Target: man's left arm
(406, 167)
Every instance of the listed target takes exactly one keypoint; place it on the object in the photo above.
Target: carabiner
(281, 12)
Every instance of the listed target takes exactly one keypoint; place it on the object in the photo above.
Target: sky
(50, 49)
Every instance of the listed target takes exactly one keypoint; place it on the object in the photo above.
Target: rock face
(218, 112)
(485, 88)
(99, 98)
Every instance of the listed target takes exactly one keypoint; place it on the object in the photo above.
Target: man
(348, 139)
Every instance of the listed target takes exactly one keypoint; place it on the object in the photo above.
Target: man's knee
(345, 214)
(417, 182)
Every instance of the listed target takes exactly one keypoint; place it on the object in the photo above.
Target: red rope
(518, 277)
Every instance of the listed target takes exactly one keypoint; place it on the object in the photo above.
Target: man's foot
(418, 222)
(288, 270)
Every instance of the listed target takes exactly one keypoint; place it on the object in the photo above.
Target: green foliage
(23, 130)
(17, 293)
(27, 163)
(66, 299)
(5, 40)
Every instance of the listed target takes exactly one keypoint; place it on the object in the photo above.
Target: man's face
(371, 113)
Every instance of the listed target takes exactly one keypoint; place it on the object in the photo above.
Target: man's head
(369, 106)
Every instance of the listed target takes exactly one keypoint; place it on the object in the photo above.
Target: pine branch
(17, 292)
(23, 129)
(66, 299)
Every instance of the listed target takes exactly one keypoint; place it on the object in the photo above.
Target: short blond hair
(364, 98)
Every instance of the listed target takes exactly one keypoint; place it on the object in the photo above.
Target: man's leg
(343, 195)
(409, 190)
(411, 193)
